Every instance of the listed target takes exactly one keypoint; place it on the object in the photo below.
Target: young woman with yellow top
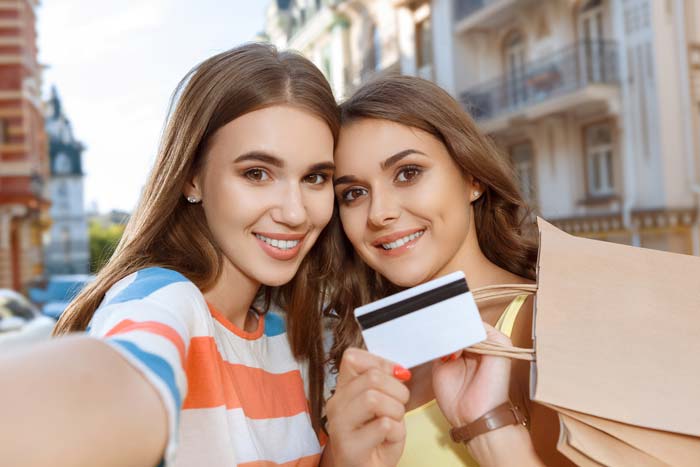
(421, 193)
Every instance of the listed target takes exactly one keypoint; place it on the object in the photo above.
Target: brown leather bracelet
(503, 415)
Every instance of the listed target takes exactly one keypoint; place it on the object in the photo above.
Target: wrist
(488, 448)
(504, 414)
(466, 419)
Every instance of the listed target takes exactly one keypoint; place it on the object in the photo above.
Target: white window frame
(600, 162)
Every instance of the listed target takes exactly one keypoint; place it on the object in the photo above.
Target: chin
(406, 277)
(278, 278)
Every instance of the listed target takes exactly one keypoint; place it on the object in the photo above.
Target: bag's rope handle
(493, 292)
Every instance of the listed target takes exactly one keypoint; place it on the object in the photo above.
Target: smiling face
(404, 202)
(266, 190)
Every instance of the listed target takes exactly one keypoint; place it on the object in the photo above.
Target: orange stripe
(213, 382)
(252, 335)
(153, 327)
(307, 461)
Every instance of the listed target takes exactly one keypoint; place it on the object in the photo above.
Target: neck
(477, 268)
(232, 295)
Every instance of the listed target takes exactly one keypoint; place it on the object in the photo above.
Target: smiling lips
(399, 242)
(280, 246)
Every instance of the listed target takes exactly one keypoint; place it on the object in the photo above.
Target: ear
(476, 189)
(191, 189)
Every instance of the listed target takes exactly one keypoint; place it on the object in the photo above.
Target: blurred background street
(596, 103)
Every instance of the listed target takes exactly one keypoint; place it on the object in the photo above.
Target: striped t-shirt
(232, 397)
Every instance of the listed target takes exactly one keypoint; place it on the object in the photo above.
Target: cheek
(353, 221)
(319, 207)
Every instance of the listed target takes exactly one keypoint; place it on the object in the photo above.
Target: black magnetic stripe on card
(415, 303)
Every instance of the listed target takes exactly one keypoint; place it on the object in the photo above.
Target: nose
(383, 210)
(291, 209)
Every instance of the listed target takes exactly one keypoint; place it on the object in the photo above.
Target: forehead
(373, 140)
(287, 132)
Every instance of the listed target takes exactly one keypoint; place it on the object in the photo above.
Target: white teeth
(280, 244)
(402, 241)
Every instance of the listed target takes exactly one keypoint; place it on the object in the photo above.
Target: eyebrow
(390, 161)
(398, 156)
(260, 156)
(344, 180)
(277, 162)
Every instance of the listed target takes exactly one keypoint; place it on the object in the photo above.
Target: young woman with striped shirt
(181, 365)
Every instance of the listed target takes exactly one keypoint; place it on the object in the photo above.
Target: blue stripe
(274, 324)
(148, 281)
(157, 365)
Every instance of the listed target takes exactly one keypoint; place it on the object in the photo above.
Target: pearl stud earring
(192, 199)
(476, 194)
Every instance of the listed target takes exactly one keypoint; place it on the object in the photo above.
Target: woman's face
(266, 190)
(404, 202)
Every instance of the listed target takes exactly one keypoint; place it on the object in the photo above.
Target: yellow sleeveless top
(428, 440)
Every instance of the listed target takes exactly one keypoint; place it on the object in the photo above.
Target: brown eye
(256, 175)
(315, 179)
(353, 193)
(408, 174)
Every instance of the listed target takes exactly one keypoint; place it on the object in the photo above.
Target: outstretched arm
(75, 401)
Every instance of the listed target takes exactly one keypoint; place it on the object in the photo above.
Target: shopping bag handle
(493, 292)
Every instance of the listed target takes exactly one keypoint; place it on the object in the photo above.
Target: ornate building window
(514, 64)
(599, 159)
(522, 157)
(591, 40)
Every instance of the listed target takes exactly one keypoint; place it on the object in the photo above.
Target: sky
(115, 65)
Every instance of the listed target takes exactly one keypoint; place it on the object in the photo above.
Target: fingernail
(453, 356)
(402, 373)
(444, 359)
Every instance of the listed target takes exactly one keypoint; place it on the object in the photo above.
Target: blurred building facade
(596, 102)
(23, 148)
(67, 251)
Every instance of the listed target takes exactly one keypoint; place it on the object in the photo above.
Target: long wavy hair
(501, 216)
(165, 230)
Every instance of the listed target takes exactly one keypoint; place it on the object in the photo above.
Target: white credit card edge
(404, 294)
(451, 325)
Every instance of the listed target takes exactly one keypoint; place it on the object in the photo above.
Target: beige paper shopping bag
(616, 349)
(617, 332)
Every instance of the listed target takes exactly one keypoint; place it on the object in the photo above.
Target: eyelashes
(405, 175)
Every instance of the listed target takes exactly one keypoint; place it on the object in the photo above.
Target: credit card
(422, 323)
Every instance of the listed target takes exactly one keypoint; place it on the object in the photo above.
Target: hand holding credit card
(422, 323)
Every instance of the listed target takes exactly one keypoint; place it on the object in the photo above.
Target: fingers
(367, 406)
(381, 430)
(370, 395)
(383, 436)
(494, 335)
(357, 361)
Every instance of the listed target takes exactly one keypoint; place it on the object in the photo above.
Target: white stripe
(277, 440)
(179, 299)
(137, 310)
(271, 354)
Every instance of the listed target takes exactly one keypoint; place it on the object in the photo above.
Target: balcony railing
(565, 71)
(464, 8)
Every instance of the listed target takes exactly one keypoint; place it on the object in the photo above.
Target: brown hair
(500, 214)
(167, 231)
